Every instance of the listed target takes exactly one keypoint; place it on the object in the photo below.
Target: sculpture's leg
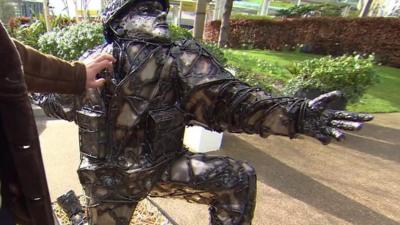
(226, 185)
(108, 200)
(110, 213)
(113, 192)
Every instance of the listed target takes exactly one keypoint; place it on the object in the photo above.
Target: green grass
(255, 1)
(278, 60)
(274, 3)
(282, 4)
(383, 97)
(240, 16)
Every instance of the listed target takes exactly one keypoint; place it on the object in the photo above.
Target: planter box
(199, 140)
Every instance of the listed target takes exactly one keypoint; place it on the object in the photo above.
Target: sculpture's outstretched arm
(215, 98)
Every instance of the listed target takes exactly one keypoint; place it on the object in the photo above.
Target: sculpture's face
(144, 19)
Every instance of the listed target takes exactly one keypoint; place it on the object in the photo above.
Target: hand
(95, 65)
(324, 124)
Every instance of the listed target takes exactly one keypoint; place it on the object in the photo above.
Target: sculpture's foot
(71, 205)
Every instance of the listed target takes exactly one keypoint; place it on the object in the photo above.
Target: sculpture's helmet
(117, 8)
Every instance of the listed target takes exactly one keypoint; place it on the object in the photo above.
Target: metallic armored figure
(131, 130)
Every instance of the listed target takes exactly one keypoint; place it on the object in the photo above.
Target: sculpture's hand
(317, 121)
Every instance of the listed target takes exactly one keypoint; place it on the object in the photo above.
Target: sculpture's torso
(134, 124)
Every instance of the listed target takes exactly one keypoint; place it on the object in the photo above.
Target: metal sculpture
(131, 130)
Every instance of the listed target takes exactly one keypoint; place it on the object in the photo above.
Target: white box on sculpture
(198, 139)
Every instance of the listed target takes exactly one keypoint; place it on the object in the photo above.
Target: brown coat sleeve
(46, 73)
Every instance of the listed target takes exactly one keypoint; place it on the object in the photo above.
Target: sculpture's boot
(69, 202)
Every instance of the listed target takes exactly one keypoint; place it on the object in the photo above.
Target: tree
(104, 3)
(84, 7)
(6, 10)
(264, 7)
(84, 4)
(46, 14)
(365, 8)
(66, 7)
(75, 3)
(386, 8)
(225, 26)
(200, 19)
(393, 9)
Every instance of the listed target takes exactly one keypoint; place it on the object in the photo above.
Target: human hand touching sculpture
(316, 120)
(96, 64)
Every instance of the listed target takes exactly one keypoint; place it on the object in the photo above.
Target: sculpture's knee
(250, 196)
(249, 170)
(111, 213)
(235, 206)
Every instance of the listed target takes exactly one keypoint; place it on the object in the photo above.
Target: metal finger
(322, 100)
(324, 139)
(346, 125)
(333, 132)
(352, 116)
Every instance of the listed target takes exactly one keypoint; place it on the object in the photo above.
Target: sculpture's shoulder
(188, 52)
(196, 66)
(103, 48)
(187, 45)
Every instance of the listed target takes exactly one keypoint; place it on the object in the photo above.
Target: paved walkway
(300, 182)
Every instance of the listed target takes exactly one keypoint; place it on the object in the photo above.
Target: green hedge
(71, 42)
(350, 74)
(29, 34)
(325, 9)
(321, 35)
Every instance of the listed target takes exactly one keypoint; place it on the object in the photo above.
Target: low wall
(321, 35)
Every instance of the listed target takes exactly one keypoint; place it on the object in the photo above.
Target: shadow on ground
(292, 182)
(382, 142)
(41, 125)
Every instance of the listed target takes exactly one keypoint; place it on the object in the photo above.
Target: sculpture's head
(141, 19)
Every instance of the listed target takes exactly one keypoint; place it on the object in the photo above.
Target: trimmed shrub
(29, 34)
(250, 17)
(253, 78)
(215, 51)
(321, 35)
(179, 33)
(350, 74)
(313, 10)
(71, 42)
(15, 22)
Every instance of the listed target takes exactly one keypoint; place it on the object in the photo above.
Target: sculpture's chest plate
(141, 124)
(144, 83)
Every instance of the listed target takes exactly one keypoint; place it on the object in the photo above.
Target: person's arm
(65, 106)
(46, 73)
